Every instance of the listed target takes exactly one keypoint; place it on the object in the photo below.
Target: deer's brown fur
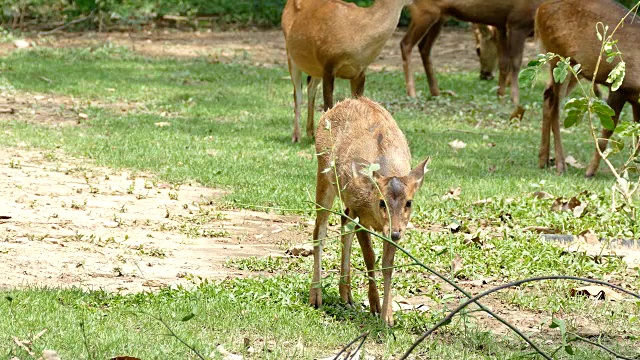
(486, 37)
(567, 28)
(512, 18)
(350, 137)
(331, 38)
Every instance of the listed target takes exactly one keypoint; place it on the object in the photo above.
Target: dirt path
(454, 50)
(68, 223)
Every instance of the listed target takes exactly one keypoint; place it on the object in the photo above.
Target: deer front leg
(370, 259)
(324, 199)
(616, 101)
(388, 253)
(345, 264)
(296, 79)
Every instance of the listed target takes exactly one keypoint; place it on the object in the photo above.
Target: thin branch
(448, 318)
(172, 333)
(362, 336)
(618, 356)
(76, 21)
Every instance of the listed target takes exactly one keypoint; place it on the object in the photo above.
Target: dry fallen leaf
(483, 201)
(571, 161)
(303, 250)
(83, 116)
(162, 124)
(21, 44)
(598, 292)
(453, 193)
(457, 265)
(589, 237)
(457, 144)
(227, 355)
(542, 195)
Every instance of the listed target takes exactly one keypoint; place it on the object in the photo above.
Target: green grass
(230, 127)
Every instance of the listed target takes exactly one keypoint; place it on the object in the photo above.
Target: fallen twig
(76, 21)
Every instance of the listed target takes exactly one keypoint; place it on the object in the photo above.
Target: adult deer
(512, 18)
(567, 28)
(331, 38)
(486, 37)
(350, 137)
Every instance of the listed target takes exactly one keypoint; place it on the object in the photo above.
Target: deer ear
(417, 174)
(362, 171)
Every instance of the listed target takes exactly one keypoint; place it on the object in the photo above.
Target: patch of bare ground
(54, 110)
(68, 223)
(454, 50)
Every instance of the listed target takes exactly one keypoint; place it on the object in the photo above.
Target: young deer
(567, 28)
(350, 137)
(331, 38)
(512, 18)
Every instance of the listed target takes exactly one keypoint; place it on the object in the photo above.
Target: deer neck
(384, 14)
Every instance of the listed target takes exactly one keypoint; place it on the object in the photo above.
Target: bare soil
(454, 50)
(69, 223)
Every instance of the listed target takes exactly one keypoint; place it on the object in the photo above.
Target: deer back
(568, 28)
(361, 131)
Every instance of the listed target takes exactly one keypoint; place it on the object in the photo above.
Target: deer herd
(363, 157)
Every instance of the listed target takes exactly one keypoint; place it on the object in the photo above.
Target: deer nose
(395, 236)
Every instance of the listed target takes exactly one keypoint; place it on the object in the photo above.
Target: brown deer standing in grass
(350, 137)
(331, 38)
(567, 28)
(512, 18)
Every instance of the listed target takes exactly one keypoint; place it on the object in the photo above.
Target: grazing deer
(486, 37)
(567, 28)
(350, 137)
(512, 18)
(331, 38)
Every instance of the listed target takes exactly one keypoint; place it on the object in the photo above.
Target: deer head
(389, 199)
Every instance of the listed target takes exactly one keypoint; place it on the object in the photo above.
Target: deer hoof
(387, 317)
(315, 297)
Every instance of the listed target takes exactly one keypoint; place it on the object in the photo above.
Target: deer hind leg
(364, 238)
(296, 79)
(550, 113)
(312, 88)
(357, 85)
(328, 79)
(420, 24)
(425, 53)
(616, 101)
(345, 264)
(325, 195)
(635, 106)
(504, 66)
(517, 38)
(388, 254)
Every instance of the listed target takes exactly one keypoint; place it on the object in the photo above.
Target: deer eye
(409, 203)
(383, 204)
